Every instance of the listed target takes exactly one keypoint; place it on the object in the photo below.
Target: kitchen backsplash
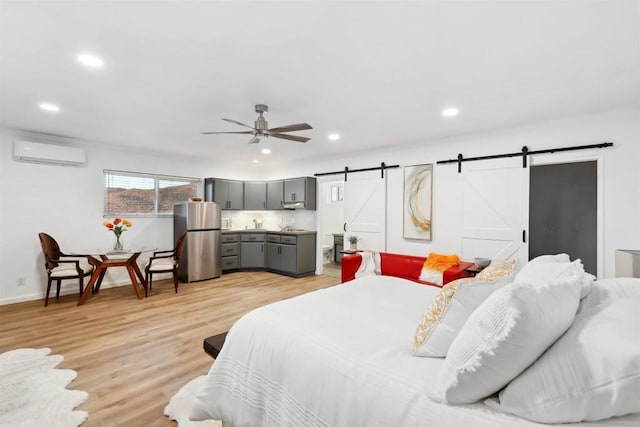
(239, 220)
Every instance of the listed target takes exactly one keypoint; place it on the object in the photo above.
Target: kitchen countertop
(264, 230)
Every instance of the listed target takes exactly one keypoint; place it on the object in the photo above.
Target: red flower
(109, 226)
(117, 221)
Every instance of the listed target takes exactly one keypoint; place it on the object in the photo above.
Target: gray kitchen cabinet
(275, 194)
(255, 196)
(252, 250)
(294, 255)
(226, 193)
(301, 190)
(230, 251)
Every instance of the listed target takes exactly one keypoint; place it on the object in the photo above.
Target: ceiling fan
(261, 128)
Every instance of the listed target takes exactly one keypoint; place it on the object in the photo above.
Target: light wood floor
(132, 355)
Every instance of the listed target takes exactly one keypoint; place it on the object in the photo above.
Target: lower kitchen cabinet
(291, 255)
(252, 250)
(230, 249)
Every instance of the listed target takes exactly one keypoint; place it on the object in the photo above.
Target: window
(336, 193)
(131, 194)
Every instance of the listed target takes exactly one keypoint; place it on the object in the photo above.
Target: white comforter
(336, 357)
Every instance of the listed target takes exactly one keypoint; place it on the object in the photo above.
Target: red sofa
(404, 266)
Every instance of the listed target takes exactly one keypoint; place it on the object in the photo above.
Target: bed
(338, 357)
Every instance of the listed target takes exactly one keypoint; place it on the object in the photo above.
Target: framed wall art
(418, 188)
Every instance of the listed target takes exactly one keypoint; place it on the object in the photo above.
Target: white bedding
(337, 357)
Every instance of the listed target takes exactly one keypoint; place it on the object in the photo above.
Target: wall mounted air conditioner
(28, 151)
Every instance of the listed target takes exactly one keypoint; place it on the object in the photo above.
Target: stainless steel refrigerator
(200, 258)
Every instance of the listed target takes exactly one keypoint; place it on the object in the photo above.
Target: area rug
(33, 392)
(180, 403)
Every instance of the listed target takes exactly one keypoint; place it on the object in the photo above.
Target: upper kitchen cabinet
(255, 196)
(226, 193)
(275, 194)
(300, 193)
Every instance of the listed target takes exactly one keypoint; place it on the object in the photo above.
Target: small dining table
(103, 261)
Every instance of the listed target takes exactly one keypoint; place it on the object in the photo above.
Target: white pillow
(503, 336)
(607, 290)
(447, 314)
(591, 373)
(431, 276)
(542, 271)
(561, 258)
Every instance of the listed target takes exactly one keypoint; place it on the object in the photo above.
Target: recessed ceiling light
(255, 161)
(49, 107)
(450, 112)
(334, 136)
(90, 61)
(265, 151)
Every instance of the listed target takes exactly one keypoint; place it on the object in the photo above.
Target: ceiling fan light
(265, 151)
(334, 136)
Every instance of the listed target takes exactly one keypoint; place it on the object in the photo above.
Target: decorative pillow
(607, 290)
(503, 336)
(591, 373)
(446, 315)
(435, 265)
(541, 271)
(497, 270)
(551, 258)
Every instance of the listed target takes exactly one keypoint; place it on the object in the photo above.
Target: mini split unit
(37, 152)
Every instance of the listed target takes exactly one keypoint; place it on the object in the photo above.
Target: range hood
(293, 205)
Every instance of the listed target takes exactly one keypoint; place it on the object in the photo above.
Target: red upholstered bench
(404, 266)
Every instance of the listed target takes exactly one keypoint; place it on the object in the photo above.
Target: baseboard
(69, 290)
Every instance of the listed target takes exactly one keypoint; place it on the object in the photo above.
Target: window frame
(156, 191)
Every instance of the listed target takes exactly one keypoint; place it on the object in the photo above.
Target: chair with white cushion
(165, 262)
(61, 266)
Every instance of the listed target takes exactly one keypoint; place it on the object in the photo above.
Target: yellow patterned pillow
(447, 314)
(497, 270)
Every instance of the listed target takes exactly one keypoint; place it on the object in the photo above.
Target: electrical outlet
(21, 281)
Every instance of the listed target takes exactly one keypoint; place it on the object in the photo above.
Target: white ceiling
(379, 73)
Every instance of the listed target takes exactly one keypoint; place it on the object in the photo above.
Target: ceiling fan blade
(291, 128)
(255, 140)
(211, 133)
(238, 123)
(289, 137)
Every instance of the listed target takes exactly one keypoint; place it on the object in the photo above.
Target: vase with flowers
(118, 226)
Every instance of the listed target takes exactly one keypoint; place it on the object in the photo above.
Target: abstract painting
(418, 187)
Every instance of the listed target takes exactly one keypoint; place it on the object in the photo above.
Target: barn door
(365, 211)
(494, 209)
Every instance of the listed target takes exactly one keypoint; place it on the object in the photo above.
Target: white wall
(620, 180)
(67, 202)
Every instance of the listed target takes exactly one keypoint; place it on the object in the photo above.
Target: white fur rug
(178, 407)
(33, 392)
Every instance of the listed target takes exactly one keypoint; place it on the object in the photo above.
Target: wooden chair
(165, 262)
(61, 266)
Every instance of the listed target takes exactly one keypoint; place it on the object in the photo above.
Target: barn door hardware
(524, 152)
(383, 166)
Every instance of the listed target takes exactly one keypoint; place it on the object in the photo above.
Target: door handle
(524, 236)
(344, 226)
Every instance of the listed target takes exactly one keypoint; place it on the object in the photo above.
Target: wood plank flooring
(132, 355)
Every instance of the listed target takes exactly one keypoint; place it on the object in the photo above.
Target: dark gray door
(563, 208)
